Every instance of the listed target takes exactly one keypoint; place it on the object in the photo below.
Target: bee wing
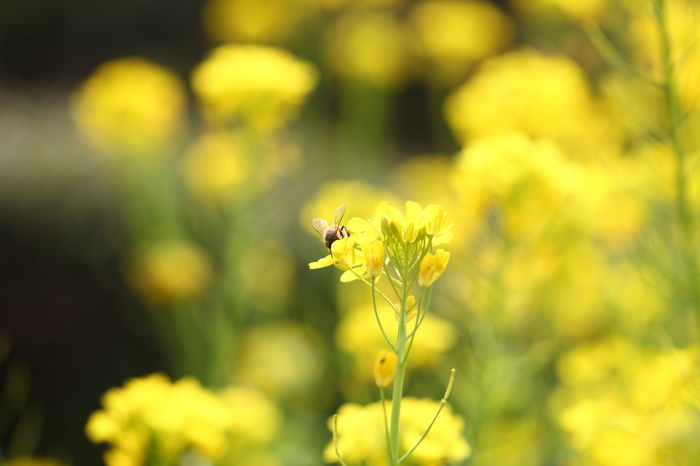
(339, 214)
(319, 225)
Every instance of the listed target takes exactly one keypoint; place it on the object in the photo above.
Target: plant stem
(400, 349)
(674, 117)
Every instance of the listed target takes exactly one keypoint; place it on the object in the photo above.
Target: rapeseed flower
(130, 106)
(154, 416)
(152, 419)
(261, 21)
(258, 86)
(283, 360)
(452, 35)
(369, 47)
(169, 271)
(432, 266)
(361, 437)
(437, 336)
(216, 166)
(546, 88)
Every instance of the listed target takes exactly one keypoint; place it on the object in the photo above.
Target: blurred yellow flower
(275, 261)
(452, 35)
(262, 21)
(369, 47)
(529, 183)
(130, 106)
(623, 405)
(542, 96)
(358, 336)
(260, 86)
(682, 24)
(215, 166)
(384, 368)
(154, 413)
(361, 438)
(254, 418)
(283, 360)
(432, 266)
(169, 271)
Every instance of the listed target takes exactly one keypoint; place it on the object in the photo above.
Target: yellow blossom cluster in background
(130, 106)
(361, 437)
(152, 419)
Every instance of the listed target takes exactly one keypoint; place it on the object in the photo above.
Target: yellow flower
(370, 48)
(215, 166)
(130, 106)
(414, 224)
(358, 337)
(255, 419)
(432, 267)
(384, 368)
(152, 411)
(374, 256)
(361, 438)
(260, 86)
(345, 256)
(283, 360)
(169, 271)
(453, 35)
(262, 21)
(546, 87)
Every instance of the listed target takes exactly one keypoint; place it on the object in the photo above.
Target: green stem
(675, 117)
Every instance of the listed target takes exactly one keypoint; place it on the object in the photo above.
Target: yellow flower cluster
(436, 337)
(153, 420)
(361, 438)
(169, 271)
(622, 405)
(241, 83)
(130, 106)
(542, 96)
(215, 166)
(369, 47)
(262, 21)
(452, 35)
(405, 239)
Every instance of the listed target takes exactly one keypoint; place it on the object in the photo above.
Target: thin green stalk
(335, 441)
(443, 402)
(675, 117)
(376, 315)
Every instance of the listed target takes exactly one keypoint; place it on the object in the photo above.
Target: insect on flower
(331, 233)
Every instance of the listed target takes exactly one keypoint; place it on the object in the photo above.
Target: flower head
(260, 86)
(432, 267)
(130, 106)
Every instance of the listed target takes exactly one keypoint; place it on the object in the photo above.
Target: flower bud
(384, 368)
(432, 266)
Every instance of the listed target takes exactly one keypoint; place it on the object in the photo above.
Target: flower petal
(323, 262)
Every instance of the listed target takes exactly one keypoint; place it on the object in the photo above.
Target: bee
(331, 233)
